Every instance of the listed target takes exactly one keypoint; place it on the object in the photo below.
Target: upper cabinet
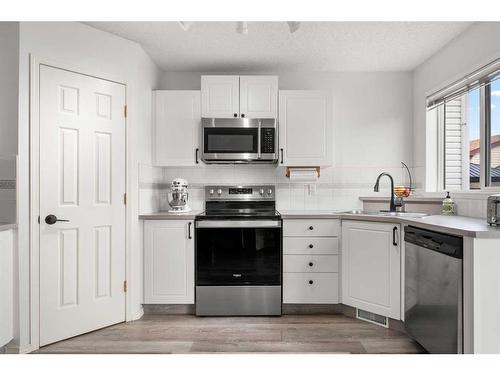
(177, 124)
(305, 132)
(259, 96)
(239, 96)
(220, 96)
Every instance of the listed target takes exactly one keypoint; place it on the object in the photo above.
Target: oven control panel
(240, 193)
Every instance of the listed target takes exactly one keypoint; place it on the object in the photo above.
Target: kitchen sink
(385, 213)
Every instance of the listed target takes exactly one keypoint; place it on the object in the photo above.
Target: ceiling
(269, 46)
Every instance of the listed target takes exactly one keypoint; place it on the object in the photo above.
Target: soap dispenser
(448, 205)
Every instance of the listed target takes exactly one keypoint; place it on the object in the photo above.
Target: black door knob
(311, 246)
(242, 115)
(52, 219)
(311, 227)
(310, 264)
(235, 115)
(311, 282)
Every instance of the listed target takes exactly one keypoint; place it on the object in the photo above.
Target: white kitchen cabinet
(371, 267)
(305, 128)
(310, 261)
(6, 287)
(220, 96)
(259, 96)
(177, 128)
(168, 262)
(239, 96)
(310, 288)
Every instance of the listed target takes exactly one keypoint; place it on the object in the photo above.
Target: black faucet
(392, 207)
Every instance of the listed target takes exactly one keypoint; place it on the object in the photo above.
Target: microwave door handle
(259, 154)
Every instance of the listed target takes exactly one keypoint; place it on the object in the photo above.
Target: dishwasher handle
(435, 241)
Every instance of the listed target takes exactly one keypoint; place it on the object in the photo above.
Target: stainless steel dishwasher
(433, 290)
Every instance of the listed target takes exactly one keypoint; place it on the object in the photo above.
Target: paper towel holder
(318, 169)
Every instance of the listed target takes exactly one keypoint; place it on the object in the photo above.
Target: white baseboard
(136, 315)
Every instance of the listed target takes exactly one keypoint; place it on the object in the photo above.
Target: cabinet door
(305, 119)
(371, 267)
(6, 287)
(259, 96)
(220, 96)
(177, 128)
(168, 261)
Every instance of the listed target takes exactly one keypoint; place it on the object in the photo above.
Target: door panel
(259, 96)
(220, 96)
(177, 127)
(82, 180)
(305, 127)
(371, 266)
(168, 262)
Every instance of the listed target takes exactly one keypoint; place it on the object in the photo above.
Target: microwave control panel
(267, 140)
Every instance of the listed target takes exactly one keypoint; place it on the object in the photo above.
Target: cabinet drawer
(310, 245)
(297, 288)
(313, 227)
(310, 263)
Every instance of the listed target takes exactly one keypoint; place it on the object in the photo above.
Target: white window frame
(484, 124)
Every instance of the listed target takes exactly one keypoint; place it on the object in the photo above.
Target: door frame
(34, 186)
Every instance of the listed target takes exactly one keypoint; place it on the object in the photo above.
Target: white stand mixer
(179, 195)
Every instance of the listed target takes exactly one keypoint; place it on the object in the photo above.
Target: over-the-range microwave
(239, 140)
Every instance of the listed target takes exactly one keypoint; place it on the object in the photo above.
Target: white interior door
(82, 180)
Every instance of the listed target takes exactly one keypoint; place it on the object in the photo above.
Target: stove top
(229, 215)
(235, 202)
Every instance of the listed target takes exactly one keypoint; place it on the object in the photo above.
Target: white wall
(475, 47)
(372, 118)
(91, 51)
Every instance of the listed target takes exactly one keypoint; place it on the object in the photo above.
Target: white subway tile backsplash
(338, 188)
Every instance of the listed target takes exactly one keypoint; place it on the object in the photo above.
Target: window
(466, 119)
(493, 133)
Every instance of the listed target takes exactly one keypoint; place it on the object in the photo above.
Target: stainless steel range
(239, 252)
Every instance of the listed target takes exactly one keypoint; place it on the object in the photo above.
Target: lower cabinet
(6, 287)
(371, 267)
(310, 261)
(168, 262)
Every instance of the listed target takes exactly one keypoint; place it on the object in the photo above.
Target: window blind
(480, 77)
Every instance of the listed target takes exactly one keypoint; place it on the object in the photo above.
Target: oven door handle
(238, 224)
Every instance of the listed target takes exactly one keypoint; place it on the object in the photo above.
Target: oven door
(238, 252)
(230, 140)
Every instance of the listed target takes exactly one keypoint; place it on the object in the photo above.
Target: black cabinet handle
(235, 115)
(311, 282)
(311, 246)
(189, 230)
(311, 264)
(281, 151)
(394, 230)
(197, 152)
(311, 227)
(242, 115)
(52, 219)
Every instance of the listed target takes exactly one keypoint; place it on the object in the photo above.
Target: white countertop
(7, 226)
(170, 215)
(455, 225)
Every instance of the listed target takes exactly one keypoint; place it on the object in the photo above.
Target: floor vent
(372, 318)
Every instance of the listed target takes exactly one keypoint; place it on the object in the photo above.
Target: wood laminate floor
(286, 334)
